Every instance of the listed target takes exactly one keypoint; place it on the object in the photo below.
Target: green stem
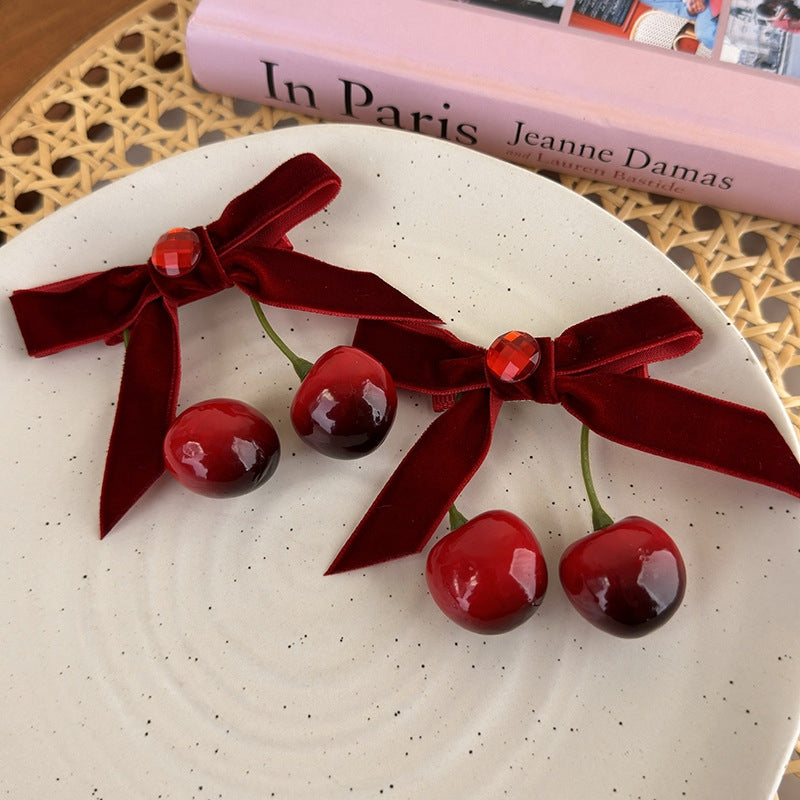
(600, 519)
(126, 337)
(301, 366)
(457, 519)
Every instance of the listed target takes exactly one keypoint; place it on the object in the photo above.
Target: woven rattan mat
(126, 98)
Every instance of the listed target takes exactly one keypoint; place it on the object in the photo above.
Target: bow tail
(424, 485)
(145, 410)
(678, 423)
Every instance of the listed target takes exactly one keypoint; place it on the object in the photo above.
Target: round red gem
(513, 356)
(176, 252)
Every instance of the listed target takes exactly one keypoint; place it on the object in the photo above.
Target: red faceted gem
(513, 356)
(176, 252)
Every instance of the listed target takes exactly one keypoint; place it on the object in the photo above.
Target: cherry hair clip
(245, 248)
(597, 371)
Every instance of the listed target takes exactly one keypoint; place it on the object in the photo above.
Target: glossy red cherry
(627, 579)
(221, 448)
(346, 404)
(488, 575)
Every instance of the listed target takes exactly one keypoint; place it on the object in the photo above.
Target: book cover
(692, 99)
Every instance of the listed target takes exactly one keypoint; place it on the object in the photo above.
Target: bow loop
(627, 339)
(97, 306)
(290, 194)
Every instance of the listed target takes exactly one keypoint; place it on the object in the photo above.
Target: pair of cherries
(343, 408)
(489, 575)
(221, 447)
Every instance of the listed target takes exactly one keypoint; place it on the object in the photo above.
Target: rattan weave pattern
(126, 98)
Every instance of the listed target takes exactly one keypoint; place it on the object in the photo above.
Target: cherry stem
(126, 337)
(457, 519)
(301, 365)
(600, 519)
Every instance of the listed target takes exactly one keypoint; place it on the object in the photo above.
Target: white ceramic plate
(199, 652)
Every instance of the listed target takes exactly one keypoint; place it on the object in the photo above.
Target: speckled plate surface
(199, 652)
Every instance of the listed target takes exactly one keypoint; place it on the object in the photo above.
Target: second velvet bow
(246, 247)
(597, 371)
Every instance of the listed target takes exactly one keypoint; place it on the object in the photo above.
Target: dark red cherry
(346, 403)
(221, 448)
(627, 579)
(488, 575)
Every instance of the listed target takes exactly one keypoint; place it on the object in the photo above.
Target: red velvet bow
(247, 248)
(597, 370)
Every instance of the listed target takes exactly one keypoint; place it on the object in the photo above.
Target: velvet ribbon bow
(245, 248)
(597, 371)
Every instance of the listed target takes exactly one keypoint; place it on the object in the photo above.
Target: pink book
(693, 99)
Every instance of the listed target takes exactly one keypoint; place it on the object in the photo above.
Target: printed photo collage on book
(760, 34)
